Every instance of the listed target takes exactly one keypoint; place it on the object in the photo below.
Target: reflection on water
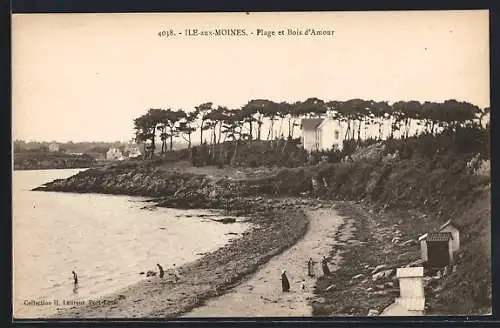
(107, 240)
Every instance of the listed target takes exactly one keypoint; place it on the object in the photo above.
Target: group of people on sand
(285, 284)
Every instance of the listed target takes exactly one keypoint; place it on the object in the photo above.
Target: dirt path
(261, 294)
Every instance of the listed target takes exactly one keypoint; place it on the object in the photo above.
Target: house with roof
(322, 134)
(132, 151)
(54, 147)
(438, 247)
(114, 154)
(310, 138)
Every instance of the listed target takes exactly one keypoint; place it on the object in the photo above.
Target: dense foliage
(227, 135)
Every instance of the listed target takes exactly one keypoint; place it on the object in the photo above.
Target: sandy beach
(261, 294)
(212, 275)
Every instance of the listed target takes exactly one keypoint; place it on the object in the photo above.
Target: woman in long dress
(285, 284)
(310, 267)
(326, 270)
(161, 270)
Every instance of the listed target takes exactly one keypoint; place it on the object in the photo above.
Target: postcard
(251, 164)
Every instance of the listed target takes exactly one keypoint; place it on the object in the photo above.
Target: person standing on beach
(161, 270)
(285, 284)
(310, 267)
(75, 278)
(326, 270)
(75, 282)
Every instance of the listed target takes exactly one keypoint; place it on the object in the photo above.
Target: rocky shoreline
(278, 224)
(380, 210)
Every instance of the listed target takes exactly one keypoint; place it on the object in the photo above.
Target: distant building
(114, 154)
(132, 151)
(330, 134)
(310, 137)
(54, 147)
(322, 134)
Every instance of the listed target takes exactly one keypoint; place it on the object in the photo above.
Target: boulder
(383, 274)
(372, 313)
(358, 276)
(380, 268)
(226, 220)
(381, 292)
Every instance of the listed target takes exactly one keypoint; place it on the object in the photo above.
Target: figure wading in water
(285, 284)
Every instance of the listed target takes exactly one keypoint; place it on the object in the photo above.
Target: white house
(114, 154)
(54, 147)
(322, 133)
(133, 152)
(331, 134)
(310, 138)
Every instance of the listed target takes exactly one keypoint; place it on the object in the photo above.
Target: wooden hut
(439, 249)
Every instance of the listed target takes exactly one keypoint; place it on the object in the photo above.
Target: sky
(85, 77)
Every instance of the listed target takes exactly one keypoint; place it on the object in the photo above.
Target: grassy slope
(410, 195)
(415, 195)
(418, 195)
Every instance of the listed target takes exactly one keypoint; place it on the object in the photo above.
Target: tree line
(218, 124)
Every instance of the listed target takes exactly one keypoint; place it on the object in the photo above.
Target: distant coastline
(51, 161)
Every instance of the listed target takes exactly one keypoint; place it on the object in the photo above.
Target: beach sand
(212, 275)
(261, 294)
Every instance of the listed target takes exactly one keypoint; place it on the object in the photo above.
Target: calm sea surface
(108, 240)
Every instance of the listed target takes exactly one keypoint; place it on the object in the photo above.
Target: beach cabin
(448, 227)
(439, 249)
(452, 228)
